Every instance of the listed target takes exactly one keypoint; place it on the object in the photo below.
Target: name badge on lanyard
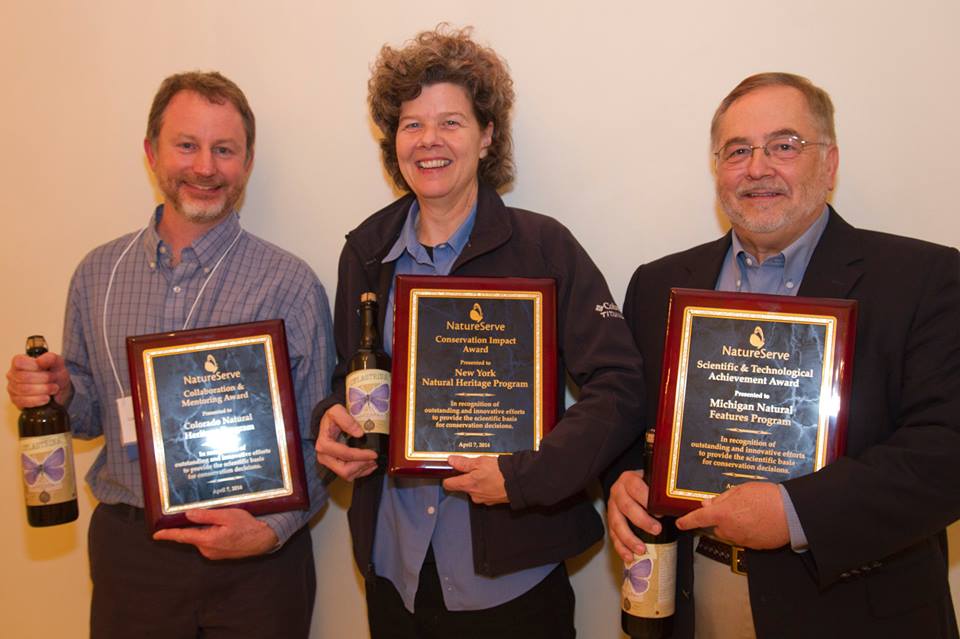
(128, 426)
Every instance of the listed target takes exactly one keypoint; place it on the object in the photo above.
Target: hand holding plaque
(474, 369)
(216, 421)
(754, 388)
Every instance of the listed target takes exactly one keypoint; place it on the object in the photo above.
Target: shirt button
(431, 510)
(749, 262)
(206, 269)
(163, 249)
(790, 284)
(153, 265)
(176, 289)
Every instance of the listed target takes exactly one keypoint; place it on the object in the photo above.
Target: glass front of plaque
(216, 421)
(474, 369)
(754, 389)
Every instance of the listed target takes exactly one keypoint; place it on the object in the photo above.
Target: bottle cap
(36, 345)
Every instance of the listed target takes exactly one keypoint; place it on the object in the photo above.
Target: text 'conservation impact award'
(474, 369)
(216, 421)
(754, 388)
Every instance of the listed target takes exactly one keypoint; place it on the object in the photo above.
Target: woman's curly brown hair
(445, 55)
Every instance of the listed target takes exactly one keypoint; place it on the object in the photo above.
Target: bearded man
(858, 548)
(191, 266)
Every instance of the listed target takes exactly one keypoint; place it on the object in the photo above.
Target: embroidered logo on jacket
(609, 310)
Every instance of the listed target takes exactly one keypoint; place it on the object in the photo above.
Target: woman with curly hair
(482, 553)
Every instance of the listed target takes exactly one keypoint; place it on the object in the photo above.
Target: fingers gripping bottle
(649, 581)
(368, 384)
(46, 457)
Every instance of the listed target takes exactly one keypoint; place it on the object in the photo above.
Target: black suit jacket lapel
(704, 266)
(837, 262)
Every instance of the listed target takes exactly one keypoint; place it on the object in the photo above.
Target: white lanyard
(186, 322)
(128, 429)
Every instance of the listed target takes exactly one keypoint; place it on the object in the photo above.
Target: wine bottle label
(368, 399)
(649, 582)
(47, 463)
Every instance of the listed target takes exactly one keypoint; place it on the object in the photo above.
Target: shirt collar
(207, 248)
(797, 255)
(408, 237)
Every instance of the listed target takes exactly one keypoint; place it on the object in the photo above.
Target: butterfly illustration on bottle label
(47, 464)
(648, 582)
(638, 575)
(53, 467)
(368, 399)
(378, 399)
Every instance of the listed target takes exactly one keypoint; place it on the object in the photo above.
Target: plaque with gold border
(216, 421)
(474, 369)
(753, 388)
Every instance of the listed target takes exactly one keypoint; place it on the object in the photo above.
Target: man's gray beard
(754, 226)
(787, 217)
(203, 214)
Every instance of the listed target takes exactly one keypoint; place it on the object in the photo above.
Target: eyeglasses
(780, 149)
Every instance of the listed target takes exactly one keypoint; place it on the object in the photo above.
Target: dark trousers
(543, 612)
(144, 588)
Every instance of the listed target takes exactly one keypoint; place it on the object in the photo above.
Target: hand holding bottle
(367, 424)
(347, 462)
(628, 503)
(31, 381)
(46, 446)
(648, 593)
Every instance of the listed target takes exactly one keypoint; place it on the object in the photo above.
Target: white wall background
(614, 101)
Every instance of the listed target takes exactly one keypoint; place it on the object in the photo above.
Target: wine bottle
(368, 384)
(46, 455)
(649, 581)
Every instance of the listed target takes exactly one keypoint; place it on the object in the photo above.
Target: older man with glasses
(857, 549)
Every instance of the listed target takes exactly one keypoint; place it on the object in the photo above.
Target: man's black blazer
(875, 519)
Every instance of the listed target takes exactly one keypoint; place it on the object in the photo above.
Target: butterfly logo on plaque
(211, 365)
(756, 339)
(476, 313)
(52, 466)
